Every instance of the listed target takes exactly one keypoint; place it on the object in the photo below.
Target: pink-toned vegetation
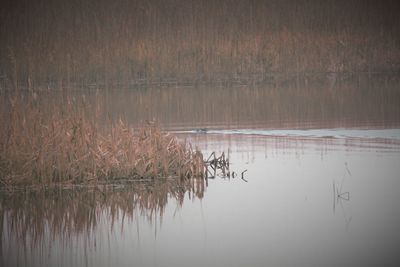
(68, 143)
(119, 42)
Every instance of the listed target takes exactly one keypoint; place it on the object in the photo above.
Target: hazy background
(302, 96)
(82, 42)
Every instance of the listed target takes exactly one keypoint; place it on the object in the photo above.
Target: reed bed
(69, 143)
(193, 40)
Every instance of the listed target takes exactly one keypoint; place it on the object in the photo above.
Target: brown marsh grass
(104, 42)
(44, 143)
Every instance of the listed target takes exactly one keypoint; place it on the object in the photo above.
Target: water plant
(67, 142)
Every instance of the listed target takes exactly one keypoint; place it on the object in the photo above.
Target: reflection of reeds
(62, 143)
(38, 215)
(356, 102)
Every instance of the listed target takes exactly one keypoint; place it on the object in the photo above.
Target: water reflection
(35, 219)
(341, 196)
(281, 216)
(286, 206)
(354, 102)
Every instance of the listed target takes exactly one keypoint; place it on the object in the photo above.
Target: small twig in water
(345, 196)
(243, 176)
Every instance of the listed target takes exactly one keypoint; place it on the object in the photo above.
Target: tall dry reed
(143, 40)
(67, 142)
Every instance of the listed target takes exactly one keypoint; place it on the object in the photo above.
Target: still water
(321, 189)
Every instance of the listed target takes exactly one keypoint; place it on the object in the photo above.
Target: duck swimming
(201, 130)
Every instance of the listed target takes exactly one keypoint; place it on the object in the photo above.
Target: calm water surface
(310, 196)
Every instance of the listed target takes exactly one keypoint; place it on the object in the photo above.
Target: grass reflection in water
(37, 218)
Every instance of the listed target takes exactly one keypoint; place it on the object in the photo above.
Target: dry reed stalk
(193, 40)
(49, 145)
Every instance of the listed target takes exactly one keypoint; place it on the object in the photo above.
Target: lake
(313, 181)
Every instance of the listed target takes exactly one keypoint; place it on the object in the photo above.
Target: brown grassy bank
(101, 41)
(68, 143)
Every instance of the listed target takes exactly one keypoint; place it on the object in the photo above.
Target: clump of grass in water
(62, 144)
